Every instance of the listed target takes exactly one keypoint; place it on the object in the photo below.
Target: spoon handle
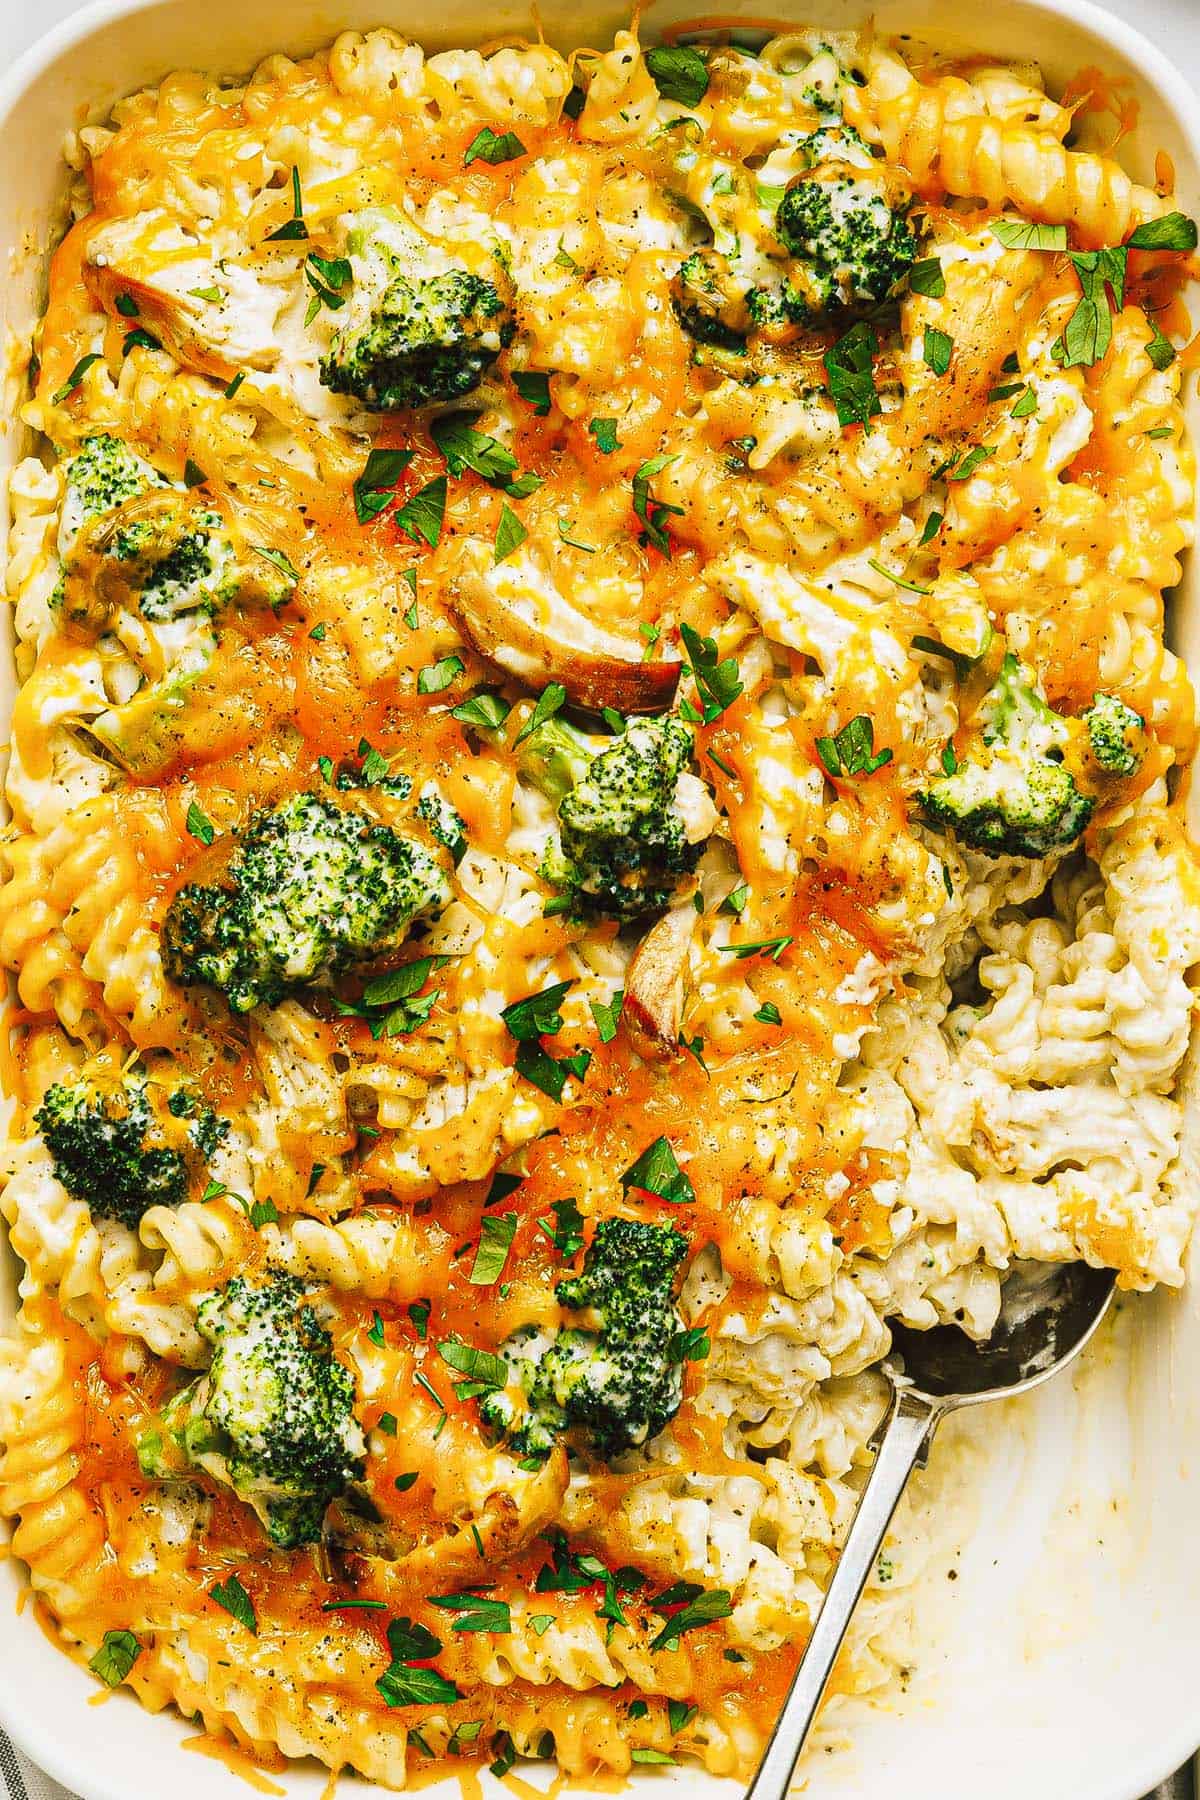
(910, 1424)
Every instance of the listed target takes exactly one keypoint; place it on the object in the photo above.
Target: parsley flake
(605, 433)
(69, 386)
(423, 513)
(374, 488)
(118, 1652)
(236, 1601)
(199, 825)
(657, 1172)
(487, 147)
(851, 750)
(678, 72)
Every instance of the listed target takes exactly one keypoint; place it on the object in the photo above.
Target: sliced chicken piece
(515, 616)
(654, 987)
(210, 314)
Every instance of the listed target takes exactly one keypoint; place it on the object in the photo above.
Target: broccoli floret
(781, 304)
(555, 756)
(614, 1380)
(852, 244)
(102, 475)
(825, 84)
(445, 822)
(414, 333)
(721, 310)
(1116, 735)
(709, 303)
(130, 540)
(309, 890)
(174, 558)
(110, 1150)
(273, 1417)
(1014, 797)
(622, 843)
(834, 143)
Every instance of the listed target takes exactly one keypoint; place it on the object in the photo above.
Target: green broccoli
(110, 1149)
(710, 303)
(446, 824)
(555, 756)
(415, 333)
(130, 540)
(851, 243)
(615, 1380)
(103, 474)
(838, 143)
(1015, 797)
(272, 1417)
(309, 891)
(175, 558)
(721, 310)
(1116, 735)
(825, 83)
(622, 843)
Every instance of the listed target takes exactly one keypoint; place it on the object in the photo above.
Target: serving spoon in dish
(1043, 1325)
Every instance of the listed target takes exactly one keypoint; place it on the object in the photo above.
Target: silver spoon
(1043, 1325)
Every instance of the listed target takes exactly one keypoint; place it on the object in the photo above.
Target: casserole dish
(1079, 1632)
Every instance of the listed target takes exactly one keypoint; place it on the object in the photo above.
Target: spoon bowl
(1047, 1314)
(1046, 1317)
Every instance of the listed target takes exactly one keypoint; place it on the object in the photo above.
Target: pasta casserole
(595, 815)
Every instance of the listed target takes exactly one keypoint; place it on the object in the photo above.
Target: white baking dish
(1061, 1661)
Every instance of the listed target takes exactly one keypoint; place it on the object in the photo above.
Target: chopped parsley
(679, 73)
(484, 709)
(486, 146)
(533, 385)
(654, 513)
(236, 1601)
(510, 533)
(717, 682)
(71, 383)
(566, 1233)
(1024, 234)
(1174, 231)
(607, 1015)
(118, 1652)
(696, 1607)
(966, 467)
(199, 825)
(926, 277)
(374, 488)
(406, 1684)
(295, 227)
(657, 1172)
(772, 947)
(851, 750)
(393, 1004)
(476, 1612)
(496, 1234)
(605, 433)
(422, 514)
(551, 700)
(850, 368)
